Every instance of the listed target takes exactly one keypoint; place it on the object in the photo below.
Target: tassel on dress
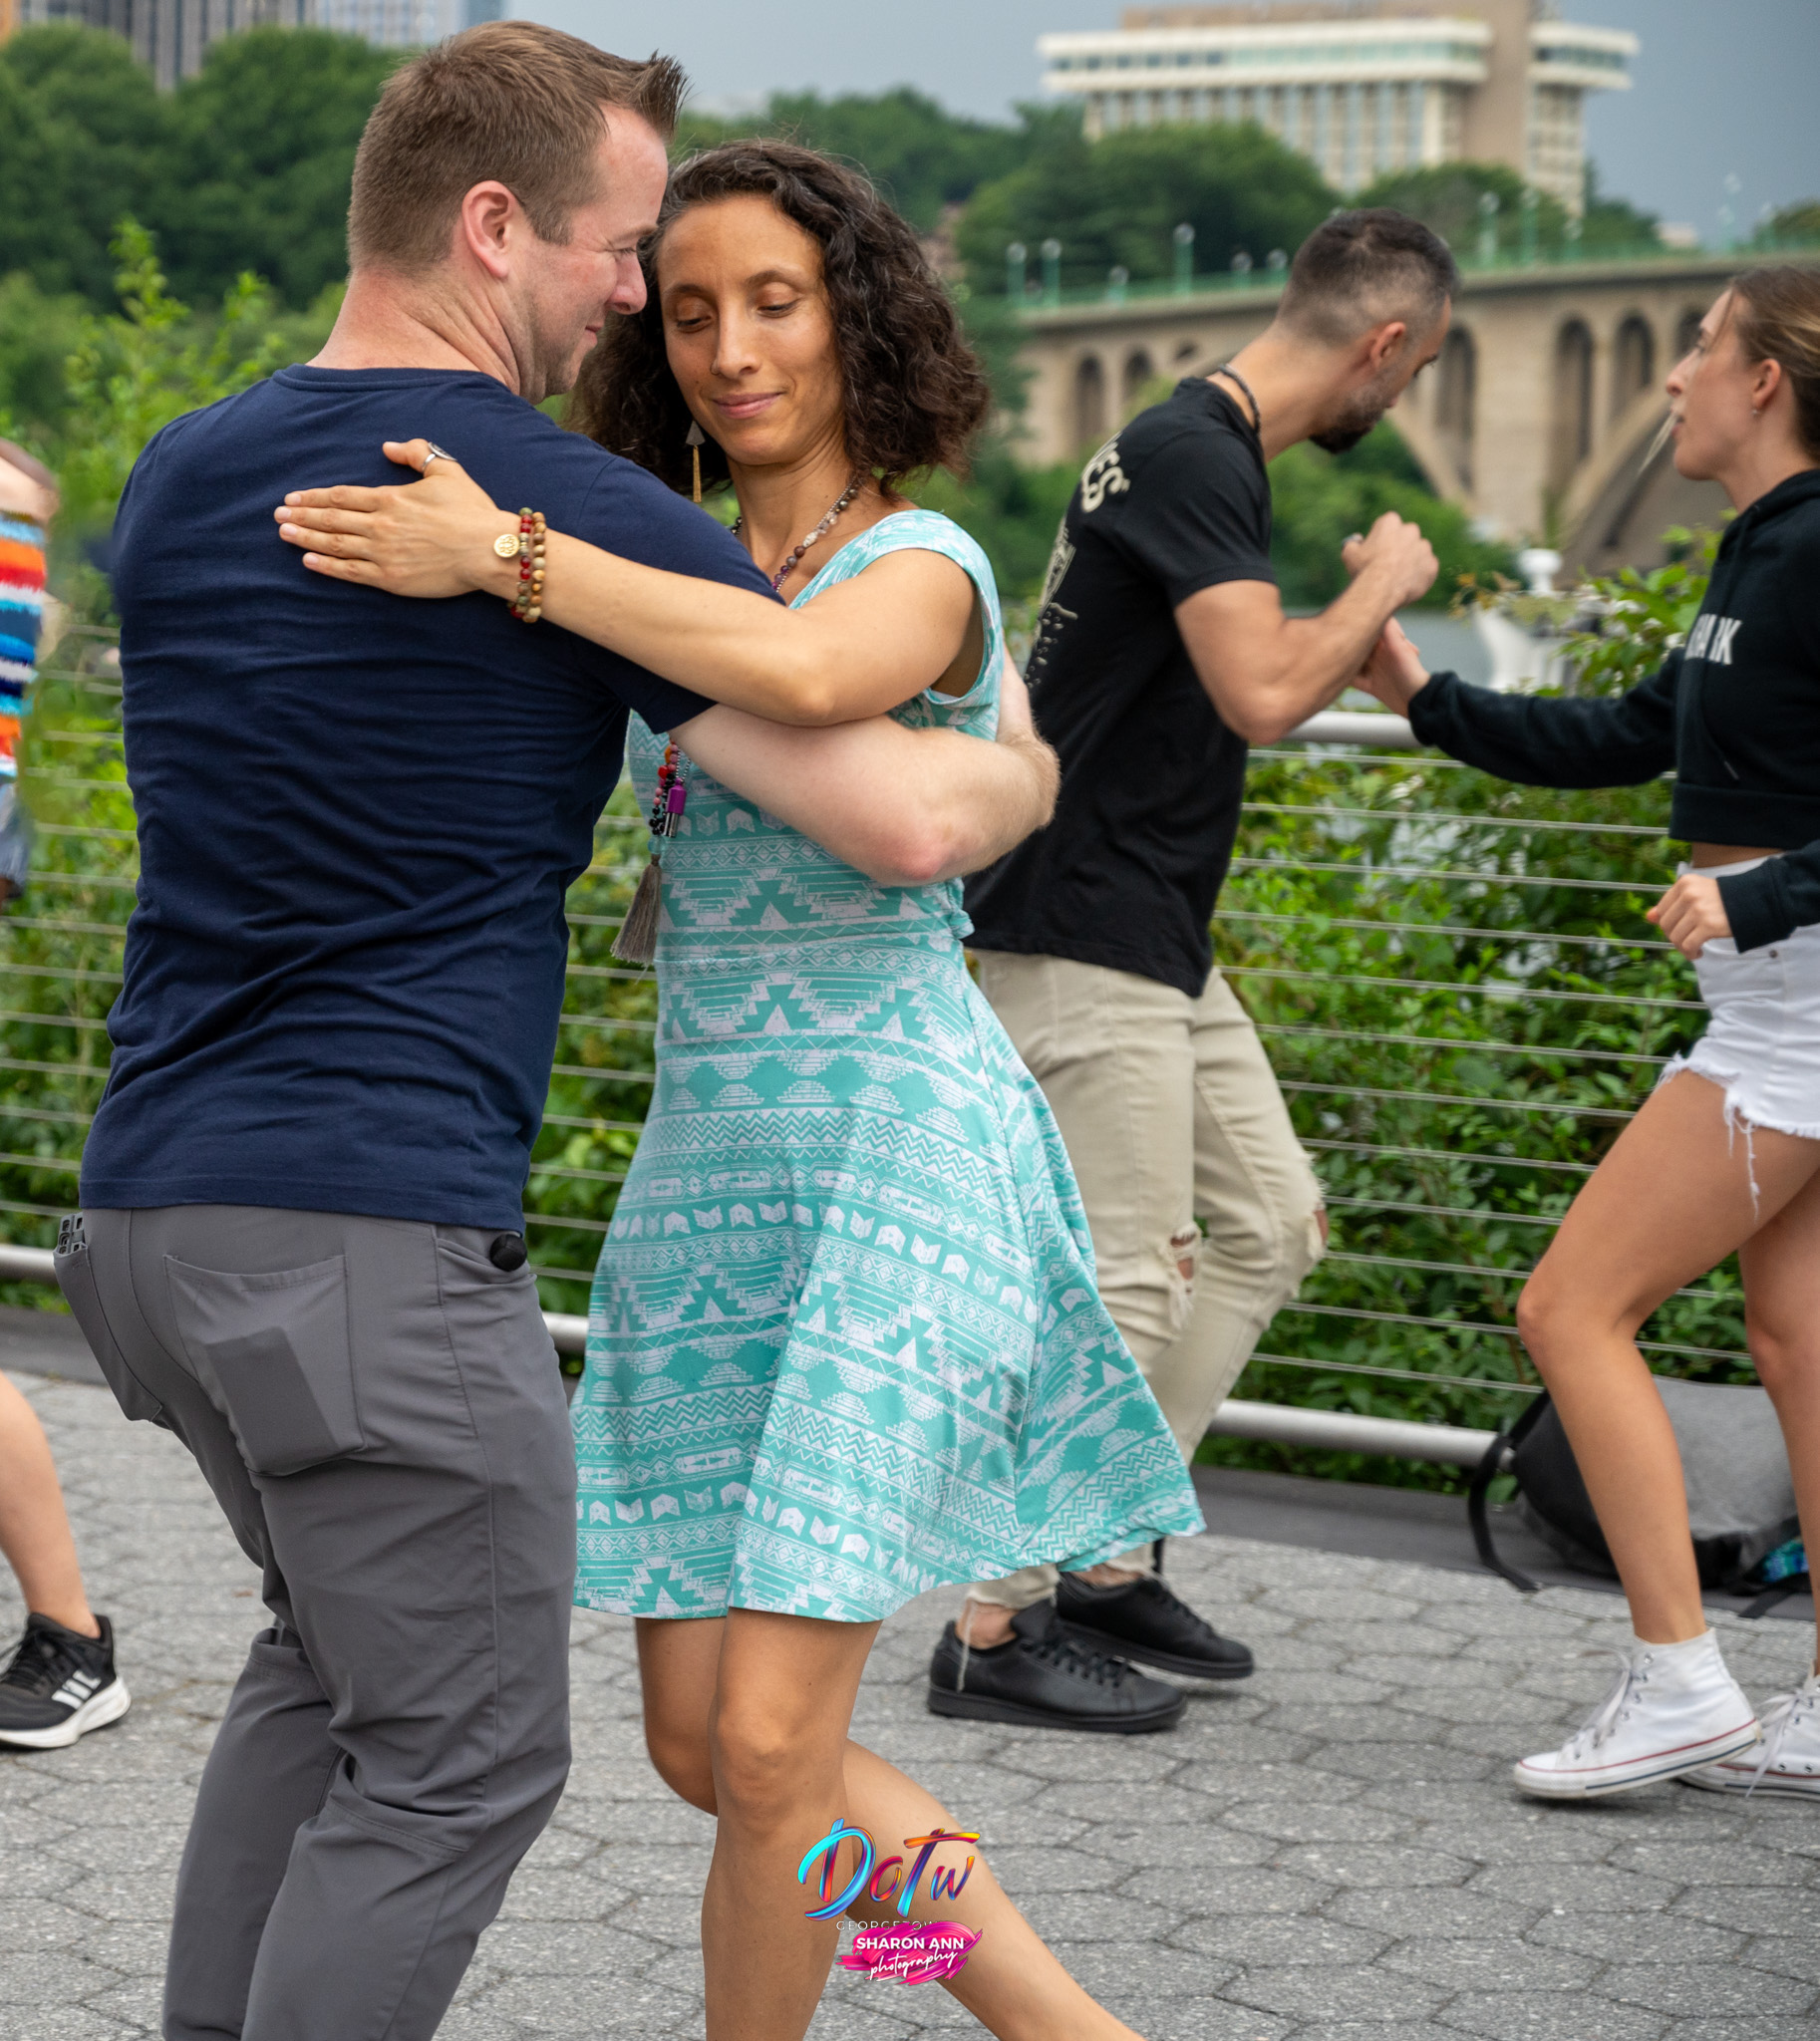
(636, 942)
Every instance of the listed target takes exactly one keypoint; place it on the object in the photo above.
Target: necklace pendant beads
(835, 512)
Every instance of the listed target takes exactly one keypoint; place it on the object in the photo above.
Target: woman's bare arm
(856, 651)
(904, 807)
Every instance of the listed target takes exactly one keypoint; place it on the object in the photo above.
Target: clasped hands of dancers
(909, 1283)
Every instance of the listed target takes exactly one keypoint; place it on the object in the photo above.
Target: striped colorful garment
(21, 612)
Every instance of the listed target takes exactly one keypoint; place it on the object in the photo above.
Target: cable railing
(1462, 1001)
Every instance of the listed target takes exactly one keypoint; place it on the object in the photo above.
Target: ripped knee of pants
(1182, 1254)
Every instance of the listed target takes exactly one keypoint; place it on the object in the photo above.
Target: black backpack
(1740, 1495)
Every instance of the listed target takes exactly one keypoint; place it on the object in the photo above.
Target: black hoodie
(1735, 711)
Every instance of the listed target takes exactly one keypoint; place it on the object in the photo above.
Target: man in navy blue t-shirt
(301, 1241)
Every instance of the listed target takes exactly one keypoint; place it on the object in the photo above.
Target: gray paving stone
(1791, 1911)
(1460, 1964)
(1705, 1989)
(35, 1977)
(1754, 2028)
(1299, 1821)
(1545, 2016)
(1789, 1955)
(1272, 1940)
(1376, 1863)
(1588, 1887)
(592, 2005)
(1429, 1913)
(1646, 1938)
(1329, 1992)
(1330, 1852)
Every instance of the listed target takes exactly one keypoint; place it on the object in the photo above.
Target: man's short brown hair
(1360, 269)
(510, 101)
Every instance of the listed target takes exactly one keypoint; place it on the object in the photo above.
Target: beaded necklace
(821, 530)
(636, 942)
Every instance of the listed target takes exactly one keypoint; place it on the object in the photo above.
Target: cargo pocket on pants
(75, 1271)
(275, 1349)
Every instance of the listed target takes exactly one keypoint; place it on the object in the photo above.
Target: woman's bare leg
(777, 1740)
(1781, 1269)
(34, 1529)
(1011, 1983)
(1668, 1203)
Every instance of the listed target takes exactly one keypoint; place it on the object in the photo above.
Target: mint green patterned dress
(844, 1342)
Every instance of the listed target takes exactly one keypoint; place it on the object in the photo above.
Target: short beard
(1353, 424)
(1355, 418)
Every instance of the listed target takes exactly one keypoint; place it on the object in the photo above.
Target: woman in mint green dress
(846, 1344)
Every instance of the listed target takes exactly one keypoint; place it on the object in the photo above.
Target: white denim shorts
(1762, 1043)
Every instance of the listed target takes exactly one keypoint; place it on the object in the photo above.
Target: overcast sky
(1724, 87)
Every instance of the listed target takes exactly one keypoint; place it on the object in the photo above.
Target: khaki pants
(1170, 1113)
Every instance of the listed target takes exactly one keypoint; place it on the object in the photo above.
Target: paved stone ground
(1331, 1849)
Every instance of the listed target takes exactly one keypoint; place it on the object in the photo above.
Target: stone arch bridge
(1540, 415)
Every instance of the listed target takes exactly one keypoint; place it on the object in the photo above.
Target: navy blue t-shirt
(357, 813)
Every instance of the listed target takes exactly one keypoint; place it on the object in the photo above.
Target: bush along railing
(1452, 977)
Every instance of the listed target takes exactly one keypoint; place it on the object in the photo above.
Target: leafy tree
(80, 122)
(1446, 199)
(37, 334)
(1795, 226)
(1013, 511)
(1320, 498)
(135, 371)
(245, 165)
(1613, 223)
(1118, 202)
(259, 157)
(920, 155)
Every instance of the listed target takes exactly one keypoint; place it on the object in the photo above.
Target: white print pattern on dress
(904, 1360)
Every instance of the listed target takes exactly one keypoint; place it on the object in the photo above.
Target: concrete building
(1360, 86)
(171, 36)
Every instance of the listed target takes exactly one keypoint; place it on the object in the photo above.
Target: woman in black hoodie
(1726, 1156)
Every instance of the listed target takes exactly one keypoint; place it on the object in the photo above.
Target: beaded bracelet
(527, 604)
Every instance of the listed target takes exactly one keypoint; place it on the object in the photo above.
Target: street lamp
(1531, 200)
(1183, 237)
(1116, 279)
(1015, 283)
(1051, 271)
(1488, 228)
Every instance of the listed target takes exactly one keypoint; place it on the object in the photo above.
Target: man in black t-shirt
(1161, 653)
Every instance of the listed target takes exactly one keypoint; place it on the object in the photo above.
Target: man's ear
(1383, 344)
(483, 229)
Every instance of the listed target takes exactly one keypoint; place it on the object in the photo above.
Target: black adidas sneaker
(59, 1685)
(1042, 1677)
(1143, 1619)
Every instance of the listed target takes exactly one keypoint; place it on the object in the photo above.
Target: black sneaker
(1046, 1678)
(1142, 1620)
(59, 1685)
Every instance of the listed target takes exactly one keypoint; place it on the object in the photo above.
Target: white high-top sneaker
(1789, 1760)
(1673, 1710)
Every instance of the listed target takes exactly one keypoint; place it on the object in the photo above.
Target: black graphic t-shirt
(1127, 873)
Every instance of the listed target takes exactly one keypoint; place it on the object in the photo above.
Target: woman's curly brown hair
(914, 391)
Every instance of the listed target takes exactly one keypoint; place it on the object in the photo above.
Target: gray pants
(379, 1411)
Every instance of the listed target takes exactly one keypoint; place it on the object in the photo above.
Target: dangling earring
(692, 441)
